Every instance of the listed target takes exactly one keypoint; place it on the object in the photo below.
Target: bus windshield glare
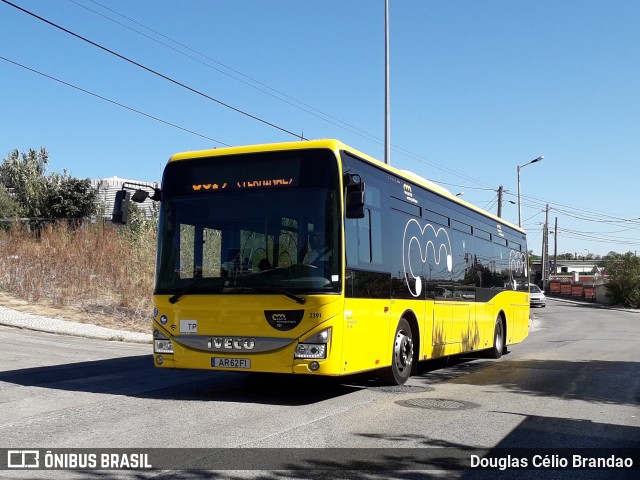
(253, 223)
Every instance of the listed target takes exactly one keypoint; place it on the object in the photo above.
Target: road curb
(30, 321)
(592, 304)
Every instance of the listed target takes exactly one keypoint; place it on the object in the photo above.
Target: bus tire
(498, 339)
(402, 355)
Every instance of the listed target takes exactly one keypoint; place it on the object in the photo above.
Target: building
(565, 267)
(583, 279)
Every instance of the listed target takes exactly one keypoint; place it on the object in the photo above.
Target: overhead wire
(603, 236)
(50, 77)
(277, 93)
(152, 71)
(198, 92)
(587, 215)
(592, 217)
(582, 213)
(251, 82)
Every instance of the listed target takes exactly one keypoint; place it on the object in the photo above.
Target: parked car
(536, 297)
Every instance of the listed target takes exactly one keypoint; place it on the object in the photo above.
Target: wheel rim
(403, 351)
(499, 336)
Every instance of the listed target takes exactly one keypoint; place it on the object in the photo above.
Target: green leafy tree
(624, 279)
(70, 198)
(42, 196)
(24, 174)
(9, 207)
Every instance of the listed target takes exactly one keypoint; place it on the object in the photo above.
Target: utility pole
(542, 262)
(387, 101)
(555, 248)
(500, 190)
(545, 250)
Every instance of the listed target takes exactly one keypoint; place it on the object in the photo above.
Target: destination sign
(243, 184)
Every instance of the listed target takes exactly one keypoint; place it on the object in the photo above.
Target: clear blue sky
(477, 88)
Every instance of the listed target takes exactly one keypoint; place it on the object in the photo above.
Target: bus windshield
(252, 223)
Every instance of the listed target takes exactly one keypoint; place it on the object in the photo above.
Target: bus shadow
(596, 381)
(137, 377)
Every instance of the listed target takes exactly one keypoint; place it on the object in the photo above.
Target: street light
(540, 158)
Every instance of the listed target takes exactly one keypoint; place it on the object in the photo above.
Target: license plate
(217, 362)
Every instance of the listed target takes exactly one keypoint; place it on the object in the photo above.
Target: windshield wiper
(175, 297)
(281, 291)
(248, 282)
(301, 300)
(292, 296)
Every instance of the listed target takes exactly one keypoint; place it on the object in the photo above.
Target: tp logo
(23, 459)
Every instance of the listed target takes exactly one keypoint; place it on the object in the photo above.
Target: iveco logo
(232, 343)
(279, 317)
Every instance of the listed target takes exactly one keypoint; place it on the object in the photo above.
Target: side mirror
(121, 207)
(124, 196)
(354, 198)
(139, 196)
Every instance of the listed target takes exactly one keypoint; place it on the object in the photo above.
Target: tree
(69, 197)
(9, 207)
(624, 279)
(42, 196)
(23, 173)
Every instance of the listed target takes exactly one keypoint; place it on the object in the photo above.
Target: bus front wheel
(498, 339)
(402, 355)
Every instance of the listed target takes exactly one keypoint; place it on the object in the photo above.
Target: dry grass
(96, 273)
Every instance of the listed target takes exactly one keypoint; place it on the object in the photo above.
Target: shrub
(624, 279)
(98, 267)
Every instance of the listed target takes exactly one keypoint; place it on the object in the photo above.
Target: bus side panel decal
(422, 238)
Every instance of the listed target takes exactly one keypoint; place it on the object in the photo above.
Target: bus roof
(336, 146)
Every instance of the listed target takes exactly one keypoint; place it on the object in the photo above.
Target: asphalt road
(573, 384)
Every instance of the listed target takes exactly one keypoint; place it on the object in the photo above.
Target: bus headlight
(314, 346)
(162, 346)
(311, 350)
(161, 343)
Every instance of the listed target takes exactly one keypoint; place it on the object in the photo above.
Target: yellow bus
(313, 258)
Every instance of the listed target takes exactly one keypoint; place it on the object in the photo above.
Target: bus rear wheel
(401, 356)
(498, 339)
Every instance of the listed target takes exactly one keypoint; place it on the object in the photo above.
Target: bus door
(366, 338)
(367, 292)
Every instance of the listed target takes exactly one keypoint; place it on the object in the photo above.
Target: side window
(200, 252)
(186, 261)
(484, 262)
(376, 237)
(359, 240)
(364, 235)
(463, 273)
(211, 255)
(501, 263)
(518, 267)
